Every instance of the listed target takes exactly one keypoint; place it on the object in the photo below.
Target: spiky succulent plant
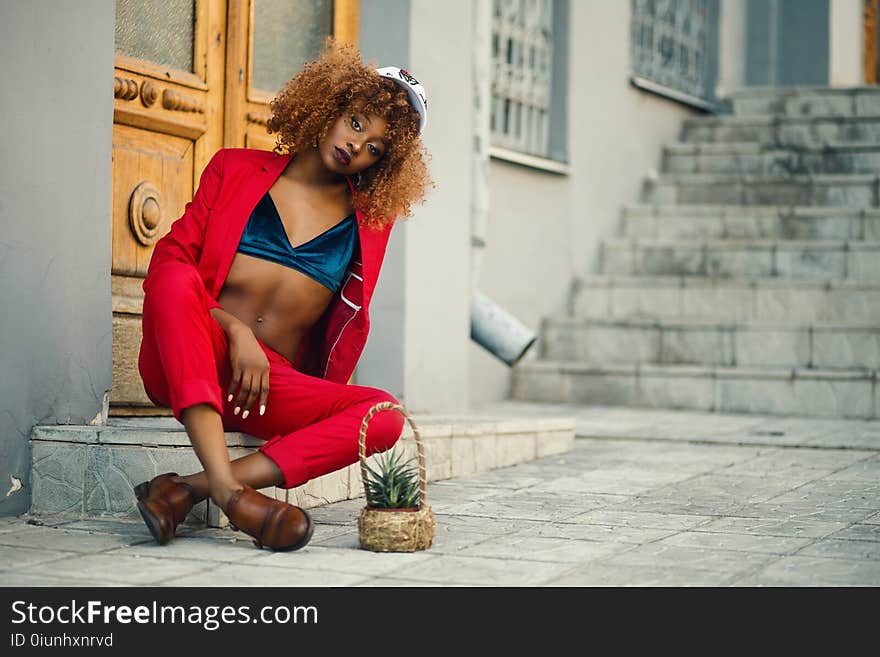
(394, 484)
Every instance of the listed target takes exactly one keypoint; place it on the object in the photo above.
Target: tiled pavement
(646, 498)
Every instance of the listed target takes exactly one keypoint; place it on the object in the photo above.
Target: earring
(357, 183)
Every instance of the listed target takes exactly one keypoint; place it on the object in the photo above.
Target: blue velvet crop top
(323, 258)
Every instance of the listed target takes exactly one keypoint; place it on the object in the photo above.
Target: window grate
(522, 63)
(669, 44)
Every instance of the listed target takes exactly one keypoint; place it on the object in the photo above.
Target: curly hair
(309, 104)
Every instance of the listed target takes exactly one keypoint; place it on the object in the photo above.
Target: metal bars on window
(669, 44)
(522, 62)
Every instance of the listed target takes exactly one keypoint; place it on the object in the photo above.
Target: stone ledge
(89, 471)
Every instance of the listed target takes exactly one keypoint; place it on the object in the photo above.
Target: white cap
(413, 87)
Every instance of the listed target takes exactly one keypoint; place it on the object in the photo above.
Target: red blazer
(208, 233)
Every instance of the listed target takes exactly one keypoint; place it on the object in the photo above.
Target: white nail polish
(229, 398)
(262, 409)
(245, 414)
(237, 409)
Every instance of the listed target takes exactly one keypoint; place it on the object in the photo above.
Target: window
(528, 78)
(673, 48)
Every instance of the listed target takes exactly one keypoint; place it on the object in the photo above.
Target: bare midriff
(278, 303)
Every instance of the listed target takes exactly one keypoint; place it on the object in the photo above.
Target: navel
(260, 320)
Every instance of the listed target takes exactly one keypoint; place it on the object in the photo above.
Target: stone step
(90, 470)
(806, 101)
(771, 391)
(850, 190)
(750, 221)
(673, 341)
(788, 131)
(760, 159)
(793, 259)
(737, 299)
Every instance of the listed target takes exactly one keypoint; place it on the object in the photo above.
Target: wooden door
(187, 82)
(269, 41)
(870, 55)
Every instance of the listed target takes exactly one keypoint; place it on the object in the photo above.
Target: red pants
(311, 425)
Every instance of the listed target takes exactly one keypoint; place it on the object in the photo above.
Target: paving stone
(73, 541)
(448, 500)
(737, 542)
(14, 557)
(122, 570)
(326, 533)
(484, 571)
(345, 560)
(17, 578)
(386, 581)
(616, 481)
(833, 493)
(525, 510)
(843, 549)
(597, 532)
(729, 562)
(249, 575)
(642, 519)
(485, 524)
(797, 527)
(542, 548)
(814, 571)
(859, 532)
(234, 547)
(604, 574)
(799, 510)
(865, 470)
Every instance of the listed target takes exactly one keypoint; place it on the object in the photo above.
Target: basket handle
(362, 446)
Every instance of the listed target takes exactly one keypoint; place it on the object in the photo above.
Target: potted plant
(396, 517)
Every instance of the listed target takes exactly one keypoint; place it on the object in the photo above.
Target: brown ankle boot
(273, 523)
(164, 504)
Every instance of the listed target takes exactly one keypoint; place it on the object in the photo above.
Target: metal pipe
(499, 332)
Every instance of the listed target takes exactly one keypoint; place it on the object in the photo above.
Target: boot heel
(142, 490)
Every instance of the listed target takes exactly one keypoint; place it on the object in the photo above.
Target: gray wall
(56, 324)
(384, 37)
(419, 339)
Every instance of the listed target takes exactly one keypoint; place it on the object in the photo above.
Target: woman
(255, 304)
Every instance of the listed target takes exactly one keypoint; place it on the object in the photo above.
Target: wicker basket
(395, 530)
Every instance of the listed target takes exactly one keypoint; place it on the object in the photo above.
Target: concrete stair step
(750, 221)
(784, 130)
(90, 470)
(852, 190)
(771, 391)
(769, 159)
(794, 259)
(738, 299)
(673, 341)
(806, 101)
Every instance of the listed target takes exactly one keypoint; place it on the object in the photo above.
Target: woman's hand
(250, 370)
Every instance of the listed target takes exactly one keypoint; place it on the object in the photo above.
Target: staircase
(747, 281)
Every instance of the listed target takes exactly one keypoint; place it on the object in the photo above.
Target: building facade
(546, 117)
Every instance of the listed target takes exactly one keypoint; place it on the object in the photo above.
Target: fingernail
(262, 409)
(237, 409)
(229, 398)
(245, 414)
